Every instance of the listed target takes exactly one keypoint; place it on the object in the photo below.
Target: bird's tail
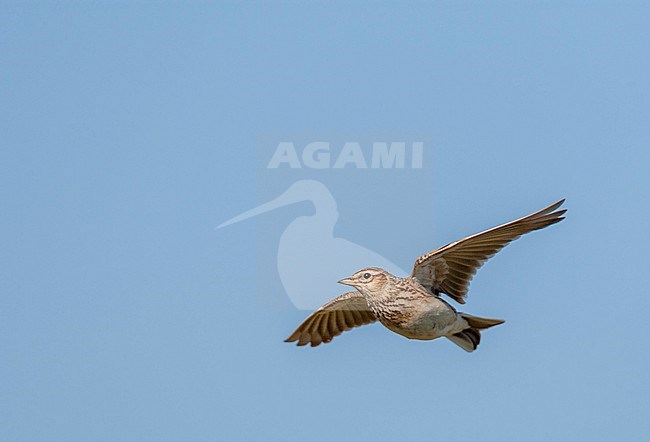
(469, 338)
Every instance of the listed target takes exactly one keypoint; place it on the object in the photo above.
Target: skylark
(412, 306)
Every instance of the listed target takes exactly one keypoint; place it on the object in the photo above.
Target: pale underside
(417, 314)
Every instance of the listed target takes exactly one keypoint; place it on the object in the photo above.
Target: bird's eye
(366, 276)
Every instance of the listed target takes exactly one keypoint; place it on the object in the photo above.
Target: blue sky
(130, 131)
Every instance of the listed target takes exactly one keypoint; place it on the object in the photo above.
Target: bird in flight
(413, 306)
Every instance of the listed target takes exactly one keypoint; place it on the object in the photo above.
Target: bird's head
(369, 281)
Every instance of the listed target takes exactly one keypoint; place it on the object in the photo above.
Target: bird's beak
(283, 200)
(348, 281)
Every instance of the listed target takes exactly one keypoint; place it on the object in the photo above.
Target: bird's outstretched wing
(450, 269)
(340, 314)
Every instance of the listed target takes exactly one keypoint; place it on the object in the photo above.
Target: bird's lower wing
(340, 314)
(450, 269)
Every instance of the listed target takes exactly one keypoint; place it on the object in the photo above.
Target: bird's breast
(416, 317)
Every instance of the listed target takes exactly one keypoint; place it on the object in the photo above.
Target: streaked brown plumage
(412, 306)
